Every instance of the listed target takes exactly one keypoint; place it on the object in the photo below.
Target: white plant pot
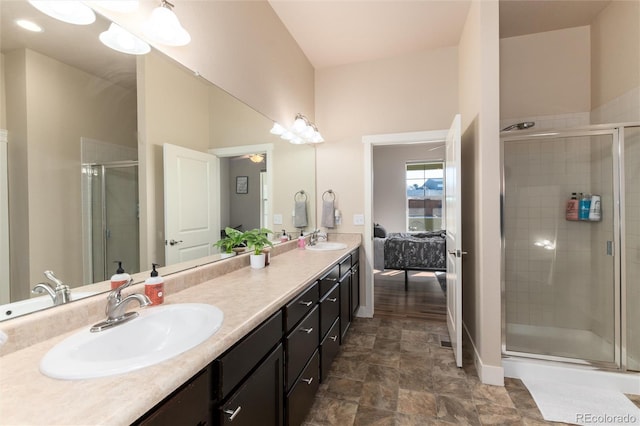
(257, 260)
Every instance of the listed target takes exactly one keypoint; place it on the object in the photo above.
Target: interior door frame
(368, 142)
(234, 151)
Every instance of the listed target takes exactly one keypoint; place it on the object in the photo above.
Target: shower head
(519, 126)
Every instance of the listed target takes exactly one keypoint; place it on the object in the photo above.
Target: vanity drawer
(355, 256)
(300, 344)
(329, 349)
(329, 280)
(329, 309)
(345, 266)
(231, 368)
(295, 310)
(301, 397)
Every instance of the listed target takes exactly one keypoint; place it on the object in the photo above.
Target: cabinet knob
(302, 302)
(307, 330)
(333, 299)
(308, 381)
(233, 413)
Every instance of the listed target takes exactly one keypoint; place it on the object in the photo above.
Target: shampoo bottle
(585, 203)
(154, 287)
(572, 207)
(594, 211)
(120, 277)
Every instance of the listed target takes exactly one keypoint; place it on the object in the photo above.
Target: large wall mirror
(86, 127)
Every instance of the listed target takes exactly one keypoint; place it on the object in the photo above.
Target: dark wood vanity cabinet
(270, 377)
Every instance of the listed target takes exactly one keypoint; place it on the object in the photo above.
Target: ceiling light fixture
(69, 11)
(29, 26)
(117, 38)
(303, 131)
(256, 158)
(163, 26)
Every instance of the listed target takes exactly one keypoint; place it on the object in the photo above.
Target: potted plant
(257, 240)
(234, 241)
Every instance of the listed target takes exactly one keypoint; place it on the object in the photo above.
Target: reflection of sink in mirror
(158, 334)
(327, 245)
(22, 307)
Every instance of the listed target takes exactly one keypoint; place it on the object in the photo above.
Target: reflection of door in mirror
(4, 219)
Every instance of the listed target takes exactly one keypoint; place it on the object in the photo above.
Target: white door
(191, 210)
(454, 238)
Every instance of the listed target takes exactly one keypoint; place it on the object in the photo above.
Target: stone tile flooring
(395, 372)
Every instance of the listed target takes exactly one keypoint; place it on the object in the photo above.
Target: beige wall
(479, 105)
(545, 73)
(3, 104)
(55, 105)
(406, 93)
(389, 181)
(615, 36)
(242, 47)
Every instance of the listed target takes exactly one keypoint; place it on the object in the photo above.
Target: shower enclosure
(111, 218)
(571, 288)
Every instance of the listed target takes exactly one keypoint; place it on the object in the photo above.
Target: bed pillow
(379, 231)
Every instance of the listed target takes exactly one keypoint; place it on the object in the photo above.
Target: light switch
(277, 219)
(358, 219)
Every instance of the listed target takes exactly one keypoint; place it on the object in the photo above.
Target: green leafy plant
(257, 239)
(233, 239)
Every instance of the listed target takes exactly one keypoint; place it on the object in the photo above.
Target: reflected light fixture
(29, 25)
(117, 38)
(256, 158)
(69, 11)
(303, 131)
(163, 26)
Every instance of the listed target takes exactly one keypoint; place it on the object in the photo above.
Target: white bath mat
(567, 403)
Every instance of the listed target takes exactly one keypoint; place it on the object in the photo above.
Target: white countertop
(246, 296)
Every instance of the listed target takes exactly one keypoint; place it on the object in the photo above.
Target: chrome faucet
(116, 306)
(317, 235)
(60, 294)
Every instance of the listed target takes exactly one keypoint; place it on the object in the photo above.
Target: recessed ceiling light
(29, 26)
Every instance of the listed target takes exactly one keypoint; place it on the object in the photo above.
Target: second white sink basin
(159, 333)
(327, 245)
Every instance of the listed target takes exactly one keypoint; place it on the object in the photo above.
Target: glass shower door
(560, 275)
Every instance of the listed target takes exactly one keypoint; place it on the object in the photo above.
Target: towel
(328, 214)
(300, 211)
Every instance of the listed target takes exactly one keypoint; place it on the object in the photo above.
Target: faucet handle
(52, 277)
(115, 293)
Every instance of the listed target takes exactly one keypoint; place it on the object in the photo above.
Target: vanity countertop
(246, 296)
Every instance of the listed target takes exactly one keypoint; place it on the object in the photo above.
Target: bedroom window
(424, 183)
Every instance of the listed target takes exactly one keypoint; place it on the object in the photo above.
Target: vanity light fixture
(69, 11)
(29, 25)
(163, 26)
(121, 6)
(303, 131)
(117, 38)
(256, 158)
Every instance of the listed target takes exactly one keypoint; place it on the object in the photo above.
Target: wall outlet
(358, 219)
(277, 219)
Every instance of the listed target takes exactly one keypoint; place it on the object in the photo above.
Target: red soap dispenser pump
(154, 287)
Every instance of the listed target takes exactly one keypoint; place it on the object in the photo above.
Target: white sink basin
(15, 309)
(159, 333)
(327, 245)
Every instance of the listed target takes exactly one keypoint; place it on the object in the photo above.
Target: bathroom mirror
(62, 156)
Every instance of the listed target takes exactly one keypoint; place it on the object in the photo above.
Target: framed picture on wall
(242, 184)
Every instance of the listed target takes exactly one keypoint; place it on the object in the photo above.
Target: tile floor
(395, 372)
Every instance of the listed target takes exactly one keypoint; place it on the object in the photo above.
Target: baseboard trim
(488, 374)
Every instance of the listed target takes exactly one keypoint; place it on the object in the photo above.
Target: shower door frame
(620, 309)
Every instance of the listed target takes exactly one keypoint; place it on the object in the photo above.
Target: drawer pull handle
(233, 413)
(302, 302)
(334, 338)
(306, 330)
(331, 279)
(308, 381)
(334, 299)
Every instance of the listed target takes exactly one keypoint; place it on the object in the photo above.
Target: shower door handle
(609, 248)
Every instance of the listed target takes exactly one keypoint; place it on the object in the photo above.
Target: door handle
(307, 330)
(173, 242)
(233, 413)
(457, 253)
(308, 381)
(609, 248)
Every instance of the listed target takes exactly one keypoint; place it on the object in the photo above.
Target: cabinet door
(345, 305)
(259, 401)
(300, 344)
(188, 406)
(300, 399)
(329, 310)
(329, 349)
(355, 290)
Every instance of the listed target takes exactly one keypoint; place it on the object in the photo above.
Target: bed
(425, 251)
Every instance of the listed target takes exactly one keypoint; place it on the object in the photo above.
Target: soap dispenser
(154, 287)
(301, 241)
(120, 277)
